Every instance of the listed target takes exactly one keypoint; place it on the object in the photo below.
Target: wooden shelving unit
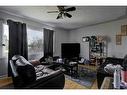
(97, 49)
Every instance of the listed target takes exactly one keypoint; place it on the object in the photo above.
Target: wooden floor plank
(5, 81)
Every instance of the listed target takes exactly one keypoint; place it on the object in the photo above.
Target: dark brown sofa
(24, 76)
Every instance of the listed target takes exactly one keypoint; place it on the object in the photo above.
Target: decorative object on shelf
(100, 38)
(86, 39)
(124, 30)
(118, 39)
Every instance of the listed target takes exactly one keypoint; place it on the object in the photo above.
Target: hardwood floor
(68, 83)
(5, 81)
(73, 85)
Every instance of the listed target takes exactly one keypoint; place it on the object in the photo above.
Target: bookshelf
(97, 49)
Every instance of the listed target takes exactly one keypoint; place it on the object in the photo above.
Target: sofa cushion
(49, 73)
(114, 61)
(27, 73)
(21, 61)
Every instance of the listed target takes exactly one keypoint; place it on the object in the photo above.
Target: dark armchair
(101, 73)
(24, 76)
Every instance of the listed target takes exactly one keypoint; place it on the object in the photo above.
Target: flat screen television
(70, 50)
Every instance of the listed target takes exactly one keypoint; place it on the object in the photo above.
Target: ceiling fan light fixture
(62, 11)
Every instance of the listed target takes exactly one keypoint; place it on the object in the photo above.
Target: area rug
(86, 77)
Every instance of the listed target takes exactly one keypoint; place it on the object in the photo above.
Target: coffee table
(71, 69)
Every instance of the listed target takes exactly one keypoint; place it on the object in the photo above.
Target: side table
(71, 69)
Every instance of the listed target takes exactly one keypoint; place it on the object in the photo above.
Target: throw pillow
(35, 62)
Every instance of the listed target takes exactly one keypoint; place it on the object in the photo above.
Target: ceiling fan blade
(68, 15)
(70, 9)
(59, 16)
(53, 12)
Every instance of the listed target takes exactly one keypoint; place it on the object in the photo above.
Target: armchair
(101, 73)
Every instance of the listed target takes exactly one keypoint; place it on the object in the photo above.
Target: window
(5, 41)
(35, 44)
(4, 37)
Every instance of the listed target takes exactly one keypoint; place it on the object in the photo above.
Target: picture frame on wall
(118, 39)
(85, 39)
(124, 30)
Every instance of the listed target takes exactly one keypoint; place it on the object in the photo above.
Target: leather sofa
(25, 76)
(101, 73)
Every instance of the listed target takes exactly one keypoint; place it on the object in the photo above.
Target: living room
(86, 22)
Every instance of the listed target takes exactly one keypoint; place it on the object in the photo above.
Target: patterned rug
(86, 77)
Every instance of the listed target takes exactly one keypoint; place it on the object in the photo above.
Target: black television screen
(70, 50)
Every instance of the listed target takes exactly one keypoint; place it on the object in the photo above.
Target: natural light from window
(35, 44)
(5, 41)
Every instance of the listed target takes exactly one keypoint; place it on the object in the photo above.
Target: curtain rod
(28, 24)
(3, 20)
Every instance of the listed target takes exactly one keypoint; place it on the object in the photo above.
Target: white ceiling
(83, 16)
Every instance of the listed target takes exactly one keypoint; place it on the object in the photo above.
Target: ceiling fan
(62, 11)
